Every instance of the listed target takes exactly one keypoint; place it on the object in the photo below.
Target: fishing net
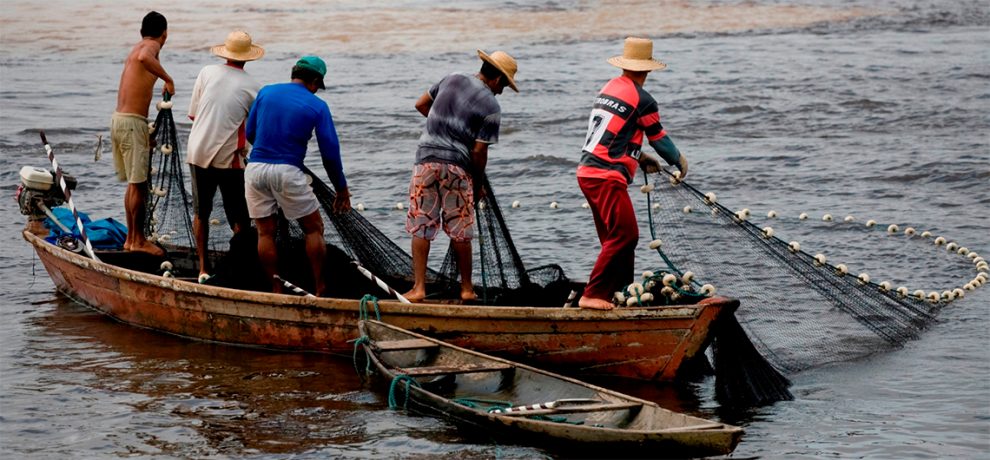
(796, 301)
(504, 279)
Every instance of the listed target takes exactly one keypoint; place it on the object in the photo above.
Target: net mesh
(795, 308)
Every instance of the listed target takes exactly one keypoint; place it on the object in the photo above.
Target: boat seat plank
(576, 409)
(445, 370)
(403, 345)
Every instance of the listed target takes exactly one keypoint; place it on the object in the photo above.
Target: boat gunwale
(447, 311)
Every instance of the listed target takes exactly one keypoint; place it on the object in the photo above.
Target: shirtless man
(129, 126)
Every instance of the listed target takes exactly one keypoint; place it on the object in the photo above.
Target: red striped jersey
(623, 113)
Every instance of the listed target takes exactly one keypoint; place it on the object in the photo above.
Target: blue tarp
(103, 234)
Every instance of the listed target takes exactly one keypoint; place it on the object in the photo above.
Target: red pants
(618, 232)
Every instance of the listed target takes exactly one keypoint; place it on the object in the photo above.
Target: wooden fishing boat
(644, 343)
(520, 401)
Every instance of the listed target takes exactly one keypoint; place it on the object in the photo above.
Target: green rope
(475, 403)
(363, 340)
(363, 308)
(392, 403)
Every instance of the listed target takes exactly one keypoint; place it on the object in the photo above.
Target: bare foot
(148, 247)
(415, 295)
(595, 304)
(468, 295)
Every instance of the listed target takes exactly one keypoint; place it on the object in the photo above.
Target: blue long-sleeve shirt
(281, 122)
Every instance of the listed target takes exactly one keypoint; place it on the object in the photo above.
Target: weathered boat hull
(649, 343)
(464, 386)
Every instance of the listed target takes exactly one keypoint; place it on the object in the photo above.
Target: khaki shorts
(268, 187)
(441, 194)
(131, 149)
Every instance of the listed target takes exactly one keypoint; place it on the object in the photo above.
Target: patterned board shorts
(441, 192)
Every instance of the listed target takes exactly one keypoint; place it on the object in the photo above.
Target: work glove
(650, 162)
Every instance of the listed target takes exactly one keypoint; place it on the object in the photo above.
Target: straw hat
(238, 47)
(504, 63)
(637, 55)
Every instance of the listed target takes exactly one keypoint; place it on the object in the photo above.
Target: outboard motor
(38, 193)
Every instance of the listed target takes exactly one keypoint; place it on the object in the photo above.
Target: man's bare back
(141, 70)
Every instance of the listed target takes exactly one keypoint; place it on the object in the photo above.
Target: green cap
(314, 64)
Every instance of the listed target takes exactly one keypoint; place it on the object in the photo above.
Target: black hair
(153, 25)
(491, 72)
(306, 75)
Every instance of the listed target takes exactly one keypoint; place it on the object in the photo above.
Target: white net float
(794, 246)
(939, 241)
(636, 289)
(669, 279)
(166, 149)
(871, 223)
(863, 278)
(958, 293)
(926, 234)
(656, 206)
(214, 221)
(360, 207)
(903, 291)
(849, 219)
(516, 204)
(708, 290)
(827, 218)
(951, 247)
(947, 295)
(910, 231)
(166, 265)
(710, 198)
(164, 105)
(554, 205)
(820, 259)
(400, 206)
(772, 214)
(841, 269)
(962, 251)
(646, 297)
(892, 229)
(803, 216)
(885, 286)
(585, 205)
(687, 210)
(667, 291)
(919, 294)
(687, 277)
(620, 297)
(934, 297)
(647, 275)
(646, 188)
(631, 301)
(655, 244)
(168, 274)
(767, 232)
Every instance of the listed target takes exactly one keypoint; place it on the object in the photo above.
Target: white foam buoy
(827, 218)
(400, 206)
(585, 205)
(554, 205)
(969, 286)
(667, 291)
(359, 207)
(620, 297)
(794, 246)
(631, 301)
(164, 238)
(687, 210)
(166, 265)
(841, 269)
(647, 275)
(656, 206)
(160, 192)
(772, 214)
(745, 212)
(164, 105)
(820, 259)
(939, 241)
(655, 244)
(926, 234)
(962, 251)
(646, 297)
(646, 188)
(767, 232)
(849, 219)
(482, 205)
(903, 291)
(166, 149)
(892, 229)
(669, 279)
(708, 290)
(675, 178)
(168, 274)
(934, 297)
(740, 216)
(214, 221)
(909, 231)
(203, 277)
(948, 295)
(687, 277)
(803, 216)
(919, 294)
(516, 204)
(710, 198)
(636, 289)
(871, 223)
(884, 286)
(863, 278)
(973, 255)
(951, 247)
(959, 293)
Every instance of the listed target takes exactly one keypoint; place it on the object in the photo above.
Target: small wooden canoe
(641, 343)
(501, 396)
